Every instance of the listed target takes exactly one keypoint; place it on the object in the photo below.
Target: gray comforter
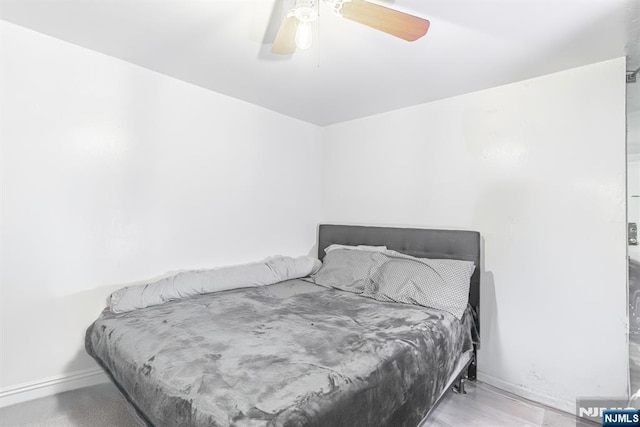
(289, 354)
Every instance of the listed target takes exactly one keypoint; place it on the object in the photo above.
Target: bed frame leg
(459, 386)
(472, 369)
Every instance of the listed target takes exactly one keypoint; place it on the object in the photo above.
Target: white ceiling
(351, 70)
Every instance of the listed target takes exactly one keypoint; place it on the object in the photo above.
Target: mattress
(288, 354)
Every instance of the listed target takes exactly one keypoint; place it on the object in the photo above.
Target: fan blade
(285, 43)
(399, 24)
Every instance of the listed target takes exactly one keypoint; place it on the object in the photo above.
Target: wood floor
(486, 406)
(103, 406)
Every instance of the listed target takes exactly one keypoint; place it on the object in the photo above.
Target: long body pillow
(195, 282)
(356, 248)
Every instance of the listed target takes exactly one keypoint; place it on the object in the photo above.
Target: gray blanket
(289, 354)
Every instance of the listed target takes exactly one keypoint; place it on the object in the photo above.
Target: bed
(295, 353)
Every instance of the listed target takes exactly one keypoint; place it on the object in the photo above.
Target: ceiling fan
(295, 31)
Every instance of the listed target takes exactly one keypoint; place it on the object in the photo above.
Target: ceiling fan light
(304, 35)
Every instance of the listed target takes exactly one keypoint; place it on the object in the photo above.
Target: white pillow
(347, 269)
(442, 284)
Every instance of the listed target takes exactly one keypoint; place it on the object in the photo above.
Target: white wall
(538, 167)
(112, 173)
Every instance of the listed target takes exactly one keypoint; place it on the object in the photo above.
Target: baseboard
(52, 385)
(553, 402)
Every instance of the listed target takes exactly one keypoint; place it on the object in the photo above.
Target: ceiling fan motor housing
(336, 6)
(304, 11)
